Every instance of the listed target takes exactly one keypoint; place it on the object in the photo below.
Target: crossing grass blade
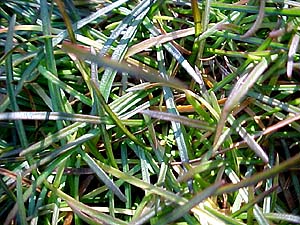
(122, 67)
(143, 101)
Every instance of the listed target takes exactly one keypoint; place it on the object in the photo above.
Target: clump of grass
(149, 112)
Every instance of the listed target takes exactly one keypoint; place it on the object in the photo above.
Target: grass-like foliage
(149, 112)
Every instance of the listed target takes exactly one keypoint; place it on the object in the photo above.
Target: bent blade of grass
(249, 139)
(103, 176)
(152, 76)
(238, 92)
(181, 119)
(204, 102)
(160, 39)
(176, 54)
(206, 166)
(258, 21)
(180, 211)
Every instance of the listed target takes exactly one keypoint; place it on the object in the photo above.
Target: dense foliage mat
(149, 112)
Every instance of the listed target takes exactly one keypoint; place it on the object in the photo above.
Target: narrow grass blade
(227, 219)
(176, 54)
(283, 217)
(9, 81)
(258, 21)
(25, 75)
(69, 146)
(20, 202)
(39, 146)
(261, 175)
(160, 39)
(244, 195)
(295, 178)
(117, 121)
(122, 67)
(54, 116)
(274, 102)
(56, 97)
(55, 80)
(79, 24)
(238, 92)
(206, 166)
(181, 210)
(40, 179)
(85, 211)
(178, 129)
(181, 119)
(253, 9)
(103, 176)
(249, 139)
(291, 54)
(138, 13)
(143, 185)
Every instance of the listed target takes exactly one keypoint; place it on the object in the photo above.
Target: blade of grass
(9, 82)
(115, 118)
(54, 116)
(143, 185)
(122, 67)
(238, 92)
(181, 119)
(83, 210)
(137, 15)
(59, 160)
(71, 145)
(79, 24)
(63, 133)
(20, 202)
(178, 129)
(283, 217)
(160, 39)
(221, 216)
(103, 176)
(258, 21)
(55, 80)
(181, 210)
(291, 54)
(57, 102)
(253, 9)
